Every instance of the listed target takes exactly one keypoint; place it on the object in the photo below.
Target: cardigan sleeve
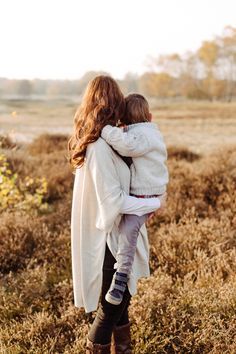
(139, 206)
(108, 194)
(126, 143)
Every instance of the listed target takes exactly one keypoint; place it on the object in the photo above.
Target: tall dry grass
(187, 305)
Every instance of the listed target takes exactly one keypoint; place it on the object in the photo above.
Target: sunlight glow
(64, 39)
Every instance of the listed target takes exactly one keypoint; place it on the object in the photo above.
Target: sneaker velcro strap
(119, 287)
(121, 278)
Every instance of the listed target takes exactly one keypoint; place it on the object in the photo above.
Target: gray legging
(127, 242)
(108, 315)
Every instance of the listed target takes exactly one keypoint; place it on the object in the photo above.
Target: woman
(100, 196)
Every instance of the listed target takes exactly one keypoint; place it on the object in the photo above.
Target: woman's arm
(141, 206)
(126, 143)
(104, 182)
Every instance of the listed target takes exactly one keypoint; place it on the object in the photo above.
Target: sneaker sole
(111, 300)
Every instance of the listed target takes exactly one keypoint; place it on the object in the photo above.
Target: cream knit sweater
(144, 143)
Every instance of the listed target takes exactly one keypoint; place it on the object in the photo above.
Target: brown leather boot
(95, 348)
(121, 340)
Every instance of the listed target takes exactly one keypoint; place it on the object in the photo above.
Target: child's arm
(126, 143)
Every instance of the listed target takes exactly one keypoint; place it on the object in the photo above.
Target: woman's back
(97, 196)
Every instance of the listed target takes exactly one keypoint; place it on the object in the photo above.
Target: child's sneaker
(117, 288)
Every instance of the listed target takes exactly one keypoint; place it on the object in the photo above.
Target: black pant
(108, 315)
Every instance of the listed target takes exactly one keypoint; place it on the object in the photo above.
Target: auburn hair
(103, 103)
(136, 109)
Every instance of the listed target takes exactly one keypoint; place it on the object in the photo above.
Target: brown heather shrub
(16, 244)
(27, 241)
(7, 143)
(181, 153)
(193, 246)
(53, 167)
(184, 316)
(208, 185)
(188, 303)
(48, 143)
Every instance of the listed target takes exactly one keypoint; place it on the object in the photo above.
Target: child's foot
(117, 288)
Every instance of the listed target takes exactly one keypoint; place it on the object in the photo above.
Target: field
(201, 127)
(188, 303)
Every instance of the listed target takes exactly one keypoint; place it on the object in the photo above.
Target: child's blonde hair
(136, 109)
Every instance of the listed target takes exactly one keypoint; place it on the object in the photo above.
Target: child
(142, 141)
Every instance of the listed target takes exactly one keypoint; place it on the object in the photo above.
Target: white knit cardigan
(98, 194)
(143, 142)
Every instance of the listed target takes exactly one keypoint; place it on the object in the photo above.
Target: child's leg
(129, 229)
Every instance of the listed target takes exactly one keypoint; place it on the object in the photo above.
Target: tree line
(208, 73)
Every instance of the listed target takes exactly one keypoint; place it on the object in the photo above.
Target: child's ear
(150, 117)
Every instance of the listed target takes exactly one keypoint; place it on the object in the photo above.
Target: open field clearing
(200, 126)
(188, 304)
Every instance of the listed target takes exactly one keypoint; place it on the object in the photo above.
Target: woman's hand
(162, 199)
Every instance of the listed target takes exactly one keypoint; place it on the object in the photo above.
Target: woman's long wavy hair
(103, 103)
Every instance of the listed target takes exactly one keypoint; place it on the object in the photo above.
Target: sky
(62, 39)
